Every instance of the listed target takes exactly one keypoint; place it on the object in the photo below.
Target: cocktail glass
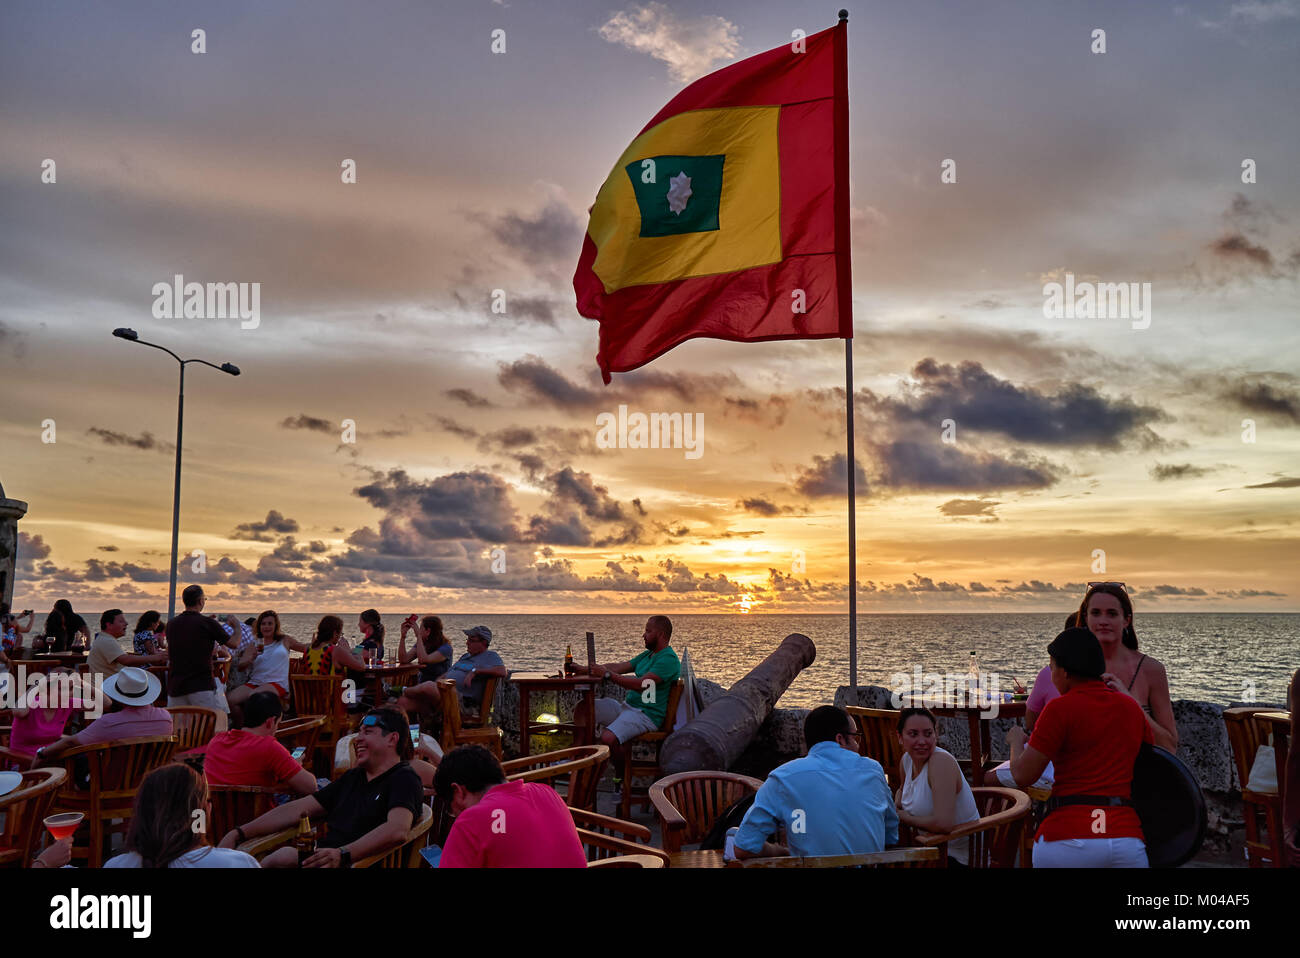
(64, 824)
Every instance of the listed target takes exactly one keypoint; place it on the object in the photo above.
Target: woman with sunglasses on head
(1107, 612)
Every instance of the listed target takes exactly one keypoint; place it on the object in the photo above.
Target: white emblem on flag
(679, 192)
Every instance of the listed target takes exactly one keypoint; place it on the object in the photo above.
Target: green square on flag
(683, 197)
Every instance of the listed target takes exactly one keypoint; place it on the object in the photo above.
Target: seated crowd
(1081, 738)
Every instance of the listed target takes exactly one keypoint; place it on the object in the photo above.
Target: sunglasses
(379, 720)
(1094, 585)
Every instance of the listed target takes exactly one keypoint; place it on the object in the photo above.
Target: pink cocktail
(64, 824)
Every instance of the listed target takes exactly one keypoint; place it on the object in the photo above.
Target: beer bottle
(568, 660)
(305, 840)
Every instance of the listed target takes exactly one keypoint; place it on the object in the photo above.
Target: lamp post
(131, 336)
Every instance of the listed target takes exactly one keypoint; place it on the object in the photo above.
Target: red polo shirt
(1092, 734)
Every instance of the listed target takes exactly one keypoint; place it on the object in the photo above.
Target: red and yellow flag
(728, 216)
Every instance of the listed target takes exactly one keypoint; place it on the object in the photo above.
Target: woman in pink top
(37, 726)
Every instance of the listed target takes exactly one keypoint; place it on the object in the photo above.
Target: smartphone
(432, 854)
(415, 735)
(299, 752)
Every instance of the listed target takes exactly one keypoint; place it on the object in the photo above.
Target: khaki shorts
(206, 700)
(623, 720)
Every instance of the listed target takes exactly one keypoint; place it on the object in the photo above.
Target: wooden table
(375, 677)
(698, 858)
(1279, 723)
(979, 729)
(529, 682)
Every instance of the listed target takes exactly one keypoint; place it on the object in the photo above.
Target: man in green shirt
(653, 673)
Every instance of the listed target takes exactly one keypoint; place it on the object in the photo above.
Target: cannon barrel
(718, 736)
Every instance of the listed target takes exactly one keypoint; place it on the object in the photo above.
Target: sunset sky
(476, 431)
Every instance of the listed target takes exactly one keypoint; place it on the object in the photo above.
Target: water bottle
(973, 678)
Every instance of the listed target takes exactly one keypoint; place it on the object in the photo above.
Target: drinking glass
(64, 824)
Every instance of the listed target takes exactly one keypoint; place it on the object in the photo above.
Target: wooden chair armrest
(21, 759)
(263, 845)
(594, 820)
(619, 845)
(379, 855)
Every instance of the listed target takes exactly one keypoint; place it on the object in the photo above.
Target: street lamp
(131, 336)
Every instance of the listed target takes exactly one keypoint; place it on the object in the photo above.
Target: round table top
(1274, 716)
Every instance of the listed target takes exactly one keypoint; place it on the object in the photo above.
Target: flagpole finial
(844, 14)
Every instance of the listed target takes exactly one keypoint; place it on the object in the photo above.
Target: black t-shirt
(354, 806)
(191, 637)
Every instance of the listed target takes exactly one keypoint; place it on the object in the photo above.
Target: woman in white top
(162, 833)
(269, 660)
(935, 796)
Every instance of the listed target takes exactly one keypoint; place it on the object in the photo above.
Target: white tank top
(271, 666)
(918, 800)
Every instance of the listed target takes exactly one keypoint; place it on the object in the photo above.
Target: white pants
(1091, 853)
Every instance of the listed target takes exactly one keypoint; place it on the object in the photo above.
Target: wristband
(345, 858)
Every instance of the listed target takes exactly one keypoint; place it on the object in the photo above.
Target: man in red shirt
(502, 824)
(1092, 735)
(252, 756)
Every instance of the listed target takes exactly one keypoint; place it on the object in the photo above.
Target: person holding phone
(433, 651)
(252, 756)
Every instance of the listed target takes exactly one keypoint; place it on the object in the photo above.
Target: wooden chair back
(454, 731)
(407, 854)
(889, 858)
(1245, 736)
(116, 770)
(583, 765)
(193, 726)
(319, 695)
(221, 670)
(301, 731)
(33, 665)
(628, 861)
(161, 671)
(235, 805)
(483, 716)
(995, 837)
(879, 728)
(23, 814)
(688, 803)
(670, 717)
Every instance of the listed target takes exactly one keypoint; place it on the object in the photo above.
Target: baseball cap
(479, 631)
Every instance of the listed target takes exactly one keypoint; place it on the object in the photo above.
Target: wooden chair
(193, 726)
(33, 665)
(321, 695)
(995, 837)
(301, 731)
(628, 861)
(161, 671)
(483, 717)
(116, 771)
(688, 803)
(221, 671)
(603, 836)
(406, 854)
(633, 768)
(1246, 736)
(23, 814)
(889, 858)
(583, 765)
(879, 728)
(235, 805)
(454, 731)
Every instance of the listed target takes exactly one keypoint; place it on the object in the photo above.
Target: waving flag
(727, 217)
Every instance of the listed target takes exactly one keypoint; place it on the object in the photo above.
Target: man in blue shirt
(832, 801)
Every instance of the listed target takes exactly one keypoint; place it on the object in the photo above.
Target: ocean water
(1212, 657)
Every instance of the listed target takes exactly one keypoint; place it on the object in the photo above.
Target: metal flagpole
(844, 300)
